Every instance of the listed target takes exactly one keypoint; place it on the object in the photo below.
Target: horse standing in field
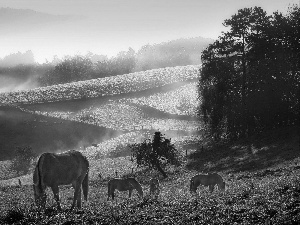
(154, 188)
(207, 180)
(127, 184)
(53, 170)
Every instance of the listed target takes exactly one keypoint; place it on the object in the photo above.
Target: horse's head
(222, 186)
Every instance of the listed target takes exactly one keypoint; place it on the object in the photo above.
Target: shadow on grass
(254, 153)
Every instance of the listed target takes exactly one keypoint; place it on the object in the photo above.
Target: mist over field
(19, 71)
(42, 40)
(8, 83)
(80, 114)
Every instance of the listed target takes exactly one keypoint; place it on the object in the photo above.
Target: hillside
(261, 172)
(269, 193)
(45, 134)
(79, 114)
(107, 86)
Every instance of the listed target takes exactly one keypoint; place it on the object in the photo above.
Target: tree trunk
(160, 169)
(244, 101)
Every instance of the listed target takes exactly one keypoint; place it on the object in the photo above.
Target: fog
(46, 134)
(10, 83)
(107, 27)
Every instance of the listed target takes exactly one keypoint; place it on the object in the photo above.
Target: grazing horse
(127, 184)
(207, 180)
(53, 170)
(154, 188)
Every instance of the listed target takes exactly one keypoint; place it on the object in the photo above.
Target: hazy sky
(110, 26)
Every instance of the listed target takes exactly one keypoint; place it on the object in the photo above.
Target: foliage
(22, 161)
(123, 63)
(179, 52)
(16, 59)
(69, 70)
(156, 153)
(250, 76)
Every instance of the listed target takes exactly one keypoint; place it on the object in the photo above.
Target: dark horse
(209, 180)
(127, 184)
(53, 170)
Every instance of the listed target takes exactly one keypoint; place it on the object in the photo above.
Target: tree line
(179, 52)
(250, 76)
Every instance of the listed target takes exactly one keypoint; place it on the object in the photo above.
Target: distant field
(168, 102)
(80, 114)
(107, 86)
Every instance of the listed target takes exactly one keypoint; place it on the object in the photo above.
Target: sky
(110, 26)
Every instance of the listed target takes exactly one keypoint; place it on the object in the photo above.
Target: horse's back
(207, 179)
(123, 184)
(61, 169)
(215, 177)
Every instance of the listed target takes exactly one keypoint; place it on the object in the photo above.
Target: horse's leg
(211, 188)
(157, 194)
(55, 191)
(113, 195)
(79, 198)
(108, 192)
(76, 186)
(130, 192)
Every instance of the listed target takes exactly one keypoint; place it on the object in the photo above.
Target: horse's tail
(38, 191)
(191, 184)
(37, 179)
(85, 186)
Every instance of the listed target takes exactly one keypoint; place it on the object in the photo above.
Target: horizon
(108, 27)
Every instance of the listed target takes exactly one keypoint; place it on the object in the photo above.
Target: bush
(22, 161)
(156, 153)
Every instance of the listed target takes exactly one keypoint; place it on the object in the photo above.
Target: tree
(22, 161)
(156, 153)
(123, 63)
(250, 76)
(69, 70)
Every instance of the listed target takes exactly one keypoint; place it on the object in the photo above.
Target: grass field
(262, 173)
(270, 192)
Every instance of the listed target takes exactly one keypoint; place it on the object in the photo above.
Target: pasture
(252, 196)
(274, 196)
(101, 117)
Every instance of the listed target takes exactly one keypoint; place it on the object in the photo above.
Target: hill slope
(162, 99)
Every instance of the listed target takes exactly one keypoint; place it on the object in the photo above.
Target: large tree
(250, 76)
